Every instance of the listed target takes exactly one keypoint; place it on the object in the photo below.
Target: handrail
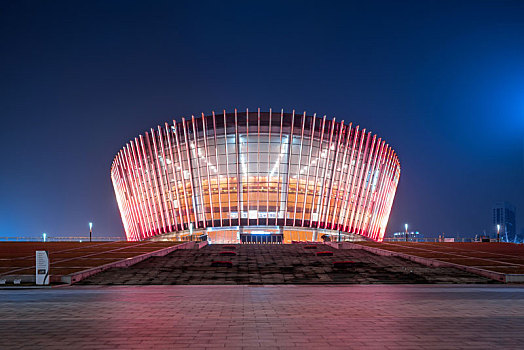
(59, 239)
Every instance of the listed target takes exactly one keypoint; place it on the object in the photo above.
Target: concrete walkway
(264, 317)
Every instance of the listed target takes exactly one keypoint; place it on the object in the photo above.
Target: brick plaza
(264, 317)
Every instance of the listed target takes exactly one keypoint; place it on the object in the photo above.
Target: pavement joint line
(58, 251)
(455, 254)
(498, 276)
(481, 251)
(82, 256)
(78, 276)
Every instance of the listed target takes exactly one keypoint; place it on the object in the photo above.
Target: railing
(179, 238)
(60, 239)
(436, 239)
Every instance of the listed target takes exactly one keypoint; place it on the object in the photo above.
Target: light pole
(498, 233)
(406, 226)
(90, 230)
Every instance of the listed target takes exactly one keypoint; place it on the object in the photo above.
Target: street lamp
(498, 233)
(90, 230)
(406, 226)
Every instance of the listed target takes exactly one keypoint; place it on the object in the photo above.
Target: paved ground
(278, 264)
(18, 258)
(264, 317)
(494, 256)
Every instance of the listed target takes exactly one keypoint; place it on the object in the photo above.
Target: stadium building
(256, 177)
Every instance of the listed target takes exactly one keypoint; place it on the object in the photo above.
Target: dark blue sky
(442, 82)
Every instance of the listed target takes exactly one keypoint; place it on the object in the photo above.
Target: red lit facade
(296, 172)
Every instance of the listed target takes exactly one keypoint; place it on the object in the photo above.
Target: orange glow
(256, 168)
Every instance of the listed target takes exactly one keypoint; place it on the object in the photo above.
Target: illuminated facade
(257, 172)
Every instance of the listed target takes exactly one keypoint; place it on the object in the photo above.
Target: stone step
(278, 264)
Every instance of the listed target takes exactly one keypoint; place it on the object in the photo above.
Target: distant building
(504, 215)
(413, 236)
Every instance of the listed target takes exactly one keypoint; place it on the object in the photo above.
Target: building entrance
(262, 235)
(262, 239)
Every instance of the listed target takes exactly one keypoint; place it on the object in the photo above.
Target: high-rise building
(504, 215)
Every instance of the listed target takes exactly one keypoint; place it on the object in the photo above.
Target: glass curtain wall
(255, 168)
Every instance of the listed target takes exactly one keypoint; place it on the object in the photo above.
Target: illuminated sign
(260, 232)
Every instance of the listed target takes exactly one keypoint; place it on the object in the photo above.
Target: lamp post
(90, 230)
(498, 233)
(406, 226)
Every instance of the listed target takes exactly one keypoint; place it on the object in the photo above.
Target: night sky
(442, 82)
